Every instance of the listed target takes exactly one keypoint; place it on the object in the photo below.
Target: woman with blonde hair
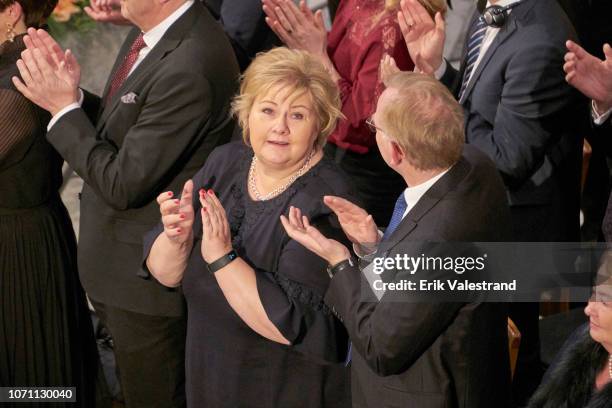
(363, 33)
(258, 332)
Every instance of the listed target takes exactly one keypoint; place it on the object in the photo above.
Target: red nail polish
(211, 192)
(182, 216)
(178, 230)
(177, 201)
(170, 194)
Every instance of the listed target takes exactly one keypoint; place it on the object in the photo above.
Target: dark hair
(35, 11)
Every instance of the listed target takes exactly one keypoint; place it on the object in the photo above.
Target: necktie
(473, 50)
(396, 218)
(128, 62)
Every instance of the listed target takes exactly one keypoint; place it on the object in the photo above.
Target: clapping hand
(298, 228)
(177, 215)
(357, 224)
(216, 238)
(49, 77)
(106, 11)
(388, 68)
(423, 35)
(297, 27)
(590, 75)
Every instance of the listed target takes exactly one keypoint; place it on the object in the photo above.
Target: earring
(10, 32)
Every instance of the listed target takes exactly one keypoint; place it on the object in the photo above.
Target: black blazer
(527, 119)
(432, 355)
(128, 152)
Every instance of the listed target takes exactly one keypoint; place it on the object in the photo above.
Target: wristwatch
(334, 269)
(221, 262)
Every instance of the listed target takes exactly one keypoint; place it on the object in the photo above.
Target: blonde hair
(432, 6)
(295, 70)
(425, 120)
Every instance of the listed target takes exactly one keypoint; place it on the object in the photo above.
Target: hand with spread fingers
(590, 75)
(423, 35)
(298, 27)
(177, 215)
(357, 224)
(106, 11)
(298, 228)
(216, 238)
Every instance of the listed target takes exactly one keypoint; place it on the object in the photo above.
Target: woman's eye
(297, 115)
(267, 111)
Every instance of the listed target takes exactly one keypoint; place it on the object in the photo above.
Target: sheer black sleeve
(18, 127)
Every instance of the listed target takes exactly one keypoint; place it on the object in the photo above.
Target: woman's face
(600, 320)
(282, 127)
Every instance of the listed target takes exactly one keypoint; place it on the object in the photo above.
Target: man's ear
(397, 153)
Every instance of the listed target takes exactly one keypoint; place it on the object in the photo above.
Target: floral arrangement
(69, 16)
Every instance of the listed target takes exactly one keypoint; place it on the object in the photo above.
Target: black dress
(46, 337)
(227, 363)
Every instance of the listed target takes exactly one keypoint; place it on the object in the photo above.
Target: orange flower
(64, 10)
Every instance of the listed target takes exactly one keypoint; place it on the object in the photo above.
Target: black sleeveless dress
(46, 337)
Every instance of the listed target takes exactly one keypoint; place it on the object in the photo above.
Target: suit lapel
(518, 12)
(431, 197)
(169, 42)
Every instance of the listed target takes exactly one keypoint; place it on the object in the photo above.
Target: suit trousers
(150, 355)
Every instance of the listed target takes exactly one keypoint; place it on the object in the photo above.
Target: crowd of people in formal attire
(243, 167)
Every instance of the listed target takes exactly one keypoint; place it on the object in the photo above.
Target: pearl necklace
(610, 366)
(278, 190)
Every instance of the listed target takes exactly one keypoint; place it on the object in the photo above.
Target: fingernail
(202, 191)
(211, 192)
(170, 194)
(178, 230)
(182, 216)
(177, 201)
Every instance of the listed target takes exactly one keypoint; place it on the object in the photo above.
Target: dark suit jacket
(432, 355)
(129, 153)
(528, 120)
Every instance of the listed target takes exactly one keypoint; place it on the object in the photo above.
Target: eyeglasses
(373, 128)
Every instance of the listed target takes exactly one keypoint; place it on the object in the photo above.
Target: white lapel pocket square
(129, 98)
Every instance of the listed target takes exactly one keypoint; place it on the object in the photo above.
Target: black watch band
(221, 262)
(334, 269)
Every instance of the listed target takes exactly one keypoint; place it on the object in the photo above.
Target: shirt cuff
(597, 118)
(365, 251)
(65, 110)
(441, 69)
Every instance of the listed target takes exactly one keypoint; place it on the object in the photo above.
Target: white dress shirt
(151, 38)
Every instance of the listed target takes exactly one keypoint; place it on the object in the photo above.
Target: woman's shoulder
(225, 160)
(326, 178)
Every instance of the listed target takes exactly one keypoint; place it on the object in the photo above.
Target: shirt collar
(154, 35)
(413, 194)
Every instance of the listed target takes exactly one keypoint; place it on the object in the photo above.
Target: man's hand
(106, 11)
(53, 53)
(388, 68)
(49, 87)
(357, 224)
(298, 227)
(590, 75)
(424, 37)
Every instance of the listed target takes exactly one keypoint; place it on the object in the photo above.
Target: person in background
(259, 334)
(363, 32)
(409, 350)
(165, 108)
(46, 338)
